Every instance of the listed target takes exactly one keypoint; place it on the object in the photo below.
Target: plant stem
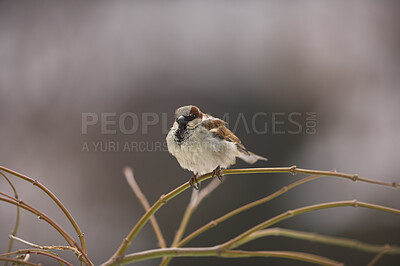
(337, 241)
(379, 255)
(244, 208)
(135, 230)
(130, 178)
(56, 200)
(215, 222)
(19, 262)
(197, 198)
(38, 252)
(218, 252)
(288, 214)
(44, 247)
(118, 255)
(50, 221)
(15, 229)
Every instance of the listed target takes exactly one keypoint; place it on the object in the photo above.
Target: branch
(196, 199)
(44, 247)
(142, 198)
(244, 208)
(385, 250)
(313, 237)
(38, 252)
(56, 200)
(139, 225)
(288, 214)
(15, 229)
(214, 223)
(218, 252)
(241, 209)
(118, 255)
(19, 262)
(50, 221)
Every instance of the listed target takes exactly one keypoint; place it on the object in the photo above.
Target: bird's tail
(251, 158)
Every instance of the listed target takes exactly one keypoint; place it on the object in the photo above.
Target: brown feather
(217, 126)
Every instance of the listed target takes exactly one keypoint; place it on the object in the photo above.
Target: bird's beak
(182, 122)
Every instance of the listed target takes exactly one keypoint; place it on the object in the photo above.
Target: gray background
(61, 59)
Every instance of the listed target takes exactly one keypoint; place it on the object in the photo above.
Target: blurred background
(313, 84)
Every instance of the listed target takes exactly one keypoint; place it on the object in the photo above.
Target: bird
(202, 144)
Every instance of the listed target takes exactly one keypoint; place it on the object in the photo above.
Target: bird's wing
(218, 127)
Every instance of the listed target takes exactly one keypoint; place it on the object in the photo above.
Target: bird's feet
(194, 182)
(218, 172)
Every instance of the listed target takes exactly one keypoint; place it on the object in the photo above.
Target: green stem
(218, 252)
(385, 250)
(337, 241)
(145, 203)
(288, 214)
(214, 223)
(182, 227)
(118, 255)
(244, 208)
(135, 230)
(196, 199)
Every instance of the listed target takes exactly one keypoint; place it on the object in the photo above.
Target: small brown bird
(202, 143)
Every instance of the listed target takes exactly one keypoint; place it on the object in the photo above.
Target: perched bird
(202, 143)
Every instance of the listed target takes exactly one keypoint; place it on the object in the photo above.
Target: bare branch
(118, 255)
(386, 249)
(196, 199)
(145, 203)
(291, 213)
(217, 251)
(38, 252)
(245, 207)
(44, 247)
(313, 237)
(59, 204)
(19, 262)
(50, 221)
(16, 225)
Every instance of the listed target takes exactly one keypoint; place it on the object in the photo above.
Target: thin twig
(215, 222)
(145, 218)
(385, 250)
(60, 205)
(44, 247)
(50, 221)
(130, 178)
(118, 255)
(218, 252)
(19, 262)
(313, 237)
(244, 208)
(16, 225)
(288, 214)
(40, 214)
(38, 252)
(196, 199)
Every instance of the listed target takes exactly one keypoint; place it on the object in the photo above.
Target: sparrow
(202, 144)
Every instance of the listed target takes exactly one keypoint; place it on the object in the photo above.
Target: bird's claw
(194, 182)
(218, 172)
